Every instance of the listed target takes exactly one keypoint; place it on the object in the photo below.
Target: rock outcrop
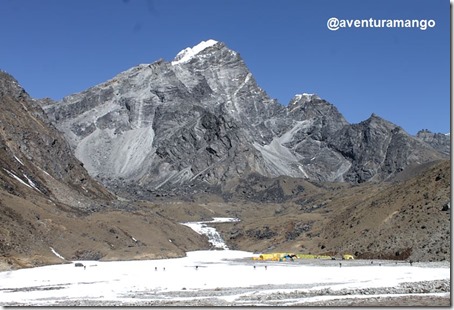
(439, 141)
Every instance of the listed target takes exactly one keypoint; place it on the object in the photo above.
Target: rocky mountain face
(200, 121)
(379, 149)
(49, 203)
(440, 142)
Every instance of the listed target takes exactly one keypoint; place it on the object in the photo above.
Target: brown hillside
(402, 220)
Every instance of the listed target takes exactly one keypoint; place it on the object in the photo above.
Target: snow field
(216, 269)
(202, 271)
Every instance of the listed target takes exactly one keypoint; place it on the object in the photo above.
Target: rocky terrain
(406, 219)
(110, 173)
(48, 201)
(440, 142)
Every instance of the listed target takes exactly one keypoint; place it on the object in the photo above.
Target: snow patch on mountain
(20, 162)
(188, 53)
(32, 184)
(56, 253)
(16, 177)
(305, 97)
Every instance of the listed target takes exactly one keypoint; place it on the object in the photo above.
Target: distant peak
(189, 52)
(376, 117)
(303, 98)
(376, 120)
(305, 95)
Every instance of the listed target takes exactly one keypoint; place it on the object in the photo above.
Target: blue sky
(59, 47)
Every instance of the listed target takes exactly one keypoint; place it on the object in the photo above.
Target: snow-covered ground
(221, 274)
(219, 277)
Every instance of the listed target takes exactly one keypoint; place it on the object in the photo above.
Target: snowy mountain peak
(157, 128)
(189, 52)
(303, 98)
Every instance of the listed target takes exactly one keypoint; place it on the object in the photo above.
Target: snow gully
(213, 235)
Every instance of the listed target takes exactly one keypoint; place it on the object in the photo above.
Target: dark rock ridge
(201, 120)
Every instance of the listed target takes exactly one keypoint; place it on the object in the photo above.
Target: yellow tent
(271, 256)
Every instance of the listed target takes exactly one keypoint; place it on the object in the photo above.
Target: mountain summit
(202, 120)
(188, 53)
